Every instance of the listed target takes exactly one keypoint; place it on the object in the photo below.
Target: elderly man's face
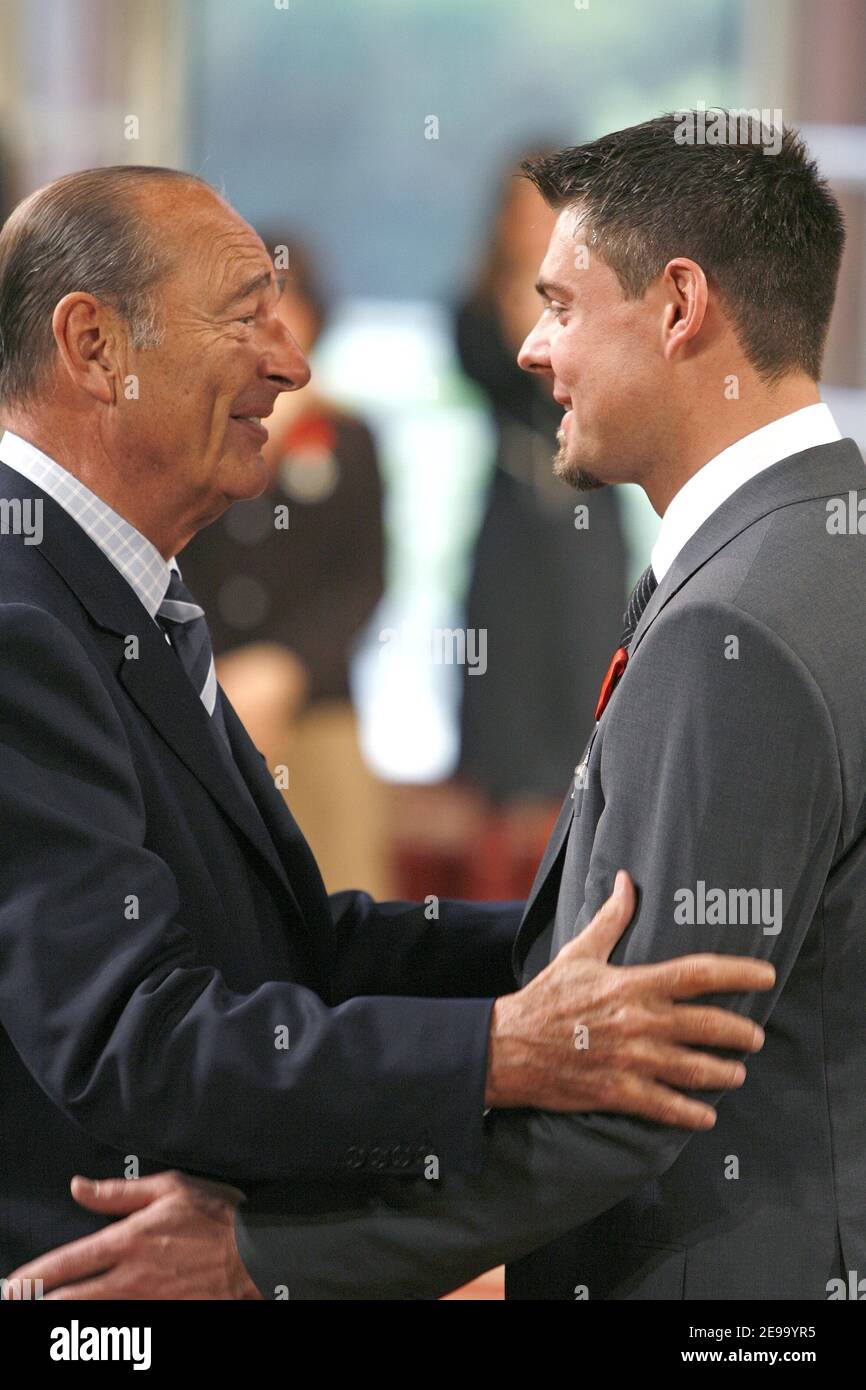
(226, 356)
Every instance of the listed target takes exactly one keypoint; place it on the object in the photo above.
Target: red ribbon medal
(611, 680)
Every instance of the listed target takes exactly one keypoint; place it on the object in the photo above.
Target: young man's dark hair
(764, 227)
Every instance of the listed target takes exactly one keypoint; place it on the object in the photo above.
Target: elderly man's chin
(243, 473)
(568, 467)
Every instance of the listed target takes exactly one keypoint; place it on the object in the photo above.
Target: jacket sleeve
(137, 1039)
(444, 949)
(711, 769)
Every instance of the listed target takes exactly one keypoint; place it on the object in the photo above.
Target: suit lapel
(161, 689)
(147, 668)
(533, 917)
(824, 471)
(540, 897)
(281, 825)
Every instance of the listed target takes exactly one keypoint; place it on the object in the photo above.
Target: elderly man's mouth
(252, 425)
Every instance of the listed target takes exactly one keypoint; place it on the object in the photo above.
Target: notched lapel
(281, 824)
(527, 931)
(161, 689)
(827, 470)
(154, 678)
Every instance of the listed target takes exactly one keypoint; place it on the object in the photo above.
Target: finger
(89, 1255)
(711, 1027)
(120, 1196)
(221, 1191)
(93, 1290)
(692, 1071)
(707, 974)
(654, 1101)
(599, 937)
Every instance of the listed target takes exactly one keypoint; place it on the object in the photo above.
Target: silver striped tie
(184, 621)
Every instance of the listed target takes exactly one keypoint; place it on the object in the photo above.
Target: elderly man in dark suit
(176, 988)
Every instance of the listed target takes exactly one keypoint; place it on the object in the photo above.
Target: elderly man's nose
(288, 363)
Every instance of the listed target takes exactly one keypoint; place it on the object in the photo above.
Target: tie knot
(640, 597)
(178, 606)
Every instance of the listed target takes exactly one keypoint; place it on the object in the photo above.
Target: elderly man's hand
(584, 1035)
(178, 1242)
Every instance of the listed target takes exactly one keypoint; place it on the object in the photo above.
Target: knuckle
(667, 1111)
(705, 1022)
(696, 1074)
(630, 1020)
(693, 970)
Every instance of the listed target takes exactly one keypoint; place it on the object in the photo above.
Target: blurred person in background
(549, 594)
(286, 602)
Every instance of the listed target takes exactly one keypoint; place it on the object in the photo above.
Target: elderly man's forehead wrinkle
(233, 256)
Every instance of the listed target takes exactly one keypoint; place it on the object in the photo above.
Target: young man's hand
(177, 1242)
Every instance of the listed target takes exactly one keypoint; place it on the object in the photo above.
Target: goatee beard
(570, 473)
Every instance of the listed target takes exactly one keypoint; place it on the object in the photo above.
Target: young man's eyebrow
(547, 289)
(258, 282)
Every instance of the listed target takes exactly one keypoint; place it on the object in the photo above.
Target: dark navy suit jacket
(176, 988)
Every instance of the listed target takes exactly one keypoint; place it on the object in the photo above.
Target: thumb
(599, 937)
(118, 1196)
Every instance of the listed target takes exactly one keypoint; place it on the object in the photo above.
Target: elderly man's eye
(248, 318)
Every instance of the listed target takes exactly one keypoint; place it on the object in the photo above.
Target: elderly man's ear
(91, 339)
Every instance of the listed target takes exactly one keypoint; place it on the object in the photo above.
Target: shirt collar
(131, 553)
(713, 484)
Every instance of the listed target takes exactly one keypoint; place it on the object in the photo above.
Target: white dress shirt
(131, 553)
(713, 484)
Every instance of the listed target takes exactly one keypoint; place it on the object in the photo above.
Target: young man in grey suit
(686, 295)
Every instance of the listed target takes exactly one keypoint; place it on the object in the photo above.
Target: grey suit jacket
(728, 775)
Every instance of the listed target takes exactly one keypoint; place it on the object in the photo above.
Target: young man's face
(603, 356)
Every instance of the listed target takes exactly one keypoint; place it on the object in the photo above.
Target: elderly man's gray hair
(84, 231)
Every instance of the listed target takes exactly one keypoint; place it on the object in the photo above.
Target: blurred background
(418, 652)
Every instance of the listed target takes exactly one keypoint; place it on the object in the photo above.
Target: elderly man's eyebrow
(258, 282)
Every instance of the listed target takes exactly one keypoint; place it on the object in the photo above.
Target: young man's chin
(570, 471)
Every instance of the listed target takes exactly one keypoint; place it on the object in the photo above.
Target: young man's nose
(534, 355)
